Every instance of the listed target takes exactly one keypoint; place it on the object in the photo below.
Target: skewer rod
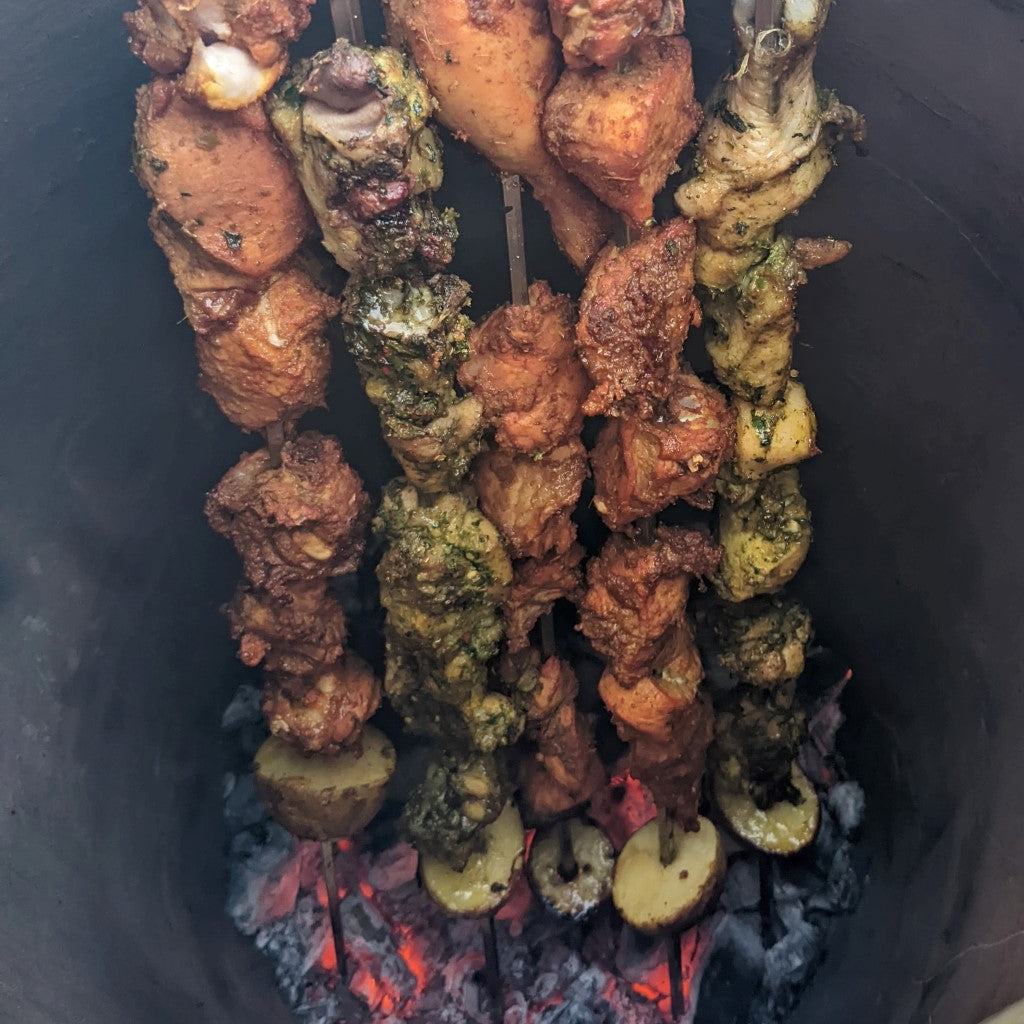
(275, 442)
(348, 21)
(674, 952)
(765, 15)
(666, 838)
(511, 191)
(567, 865)
(334, 908)
(493, 968)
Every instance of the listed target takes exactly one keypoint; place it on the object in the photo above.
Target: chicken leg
(490, 65)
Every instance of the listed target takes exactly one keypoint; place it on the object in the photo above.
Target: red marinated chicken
(537, 583)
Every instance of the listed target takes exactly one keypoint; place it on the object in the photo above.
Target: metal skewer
(493, 970)
(347, 16)
(334, 908)
(512, 193)
(766, 14)
(275, 442)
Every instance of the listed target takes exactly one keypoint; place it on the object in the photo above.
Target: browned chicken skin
(564, 770)
(273, 364)
(636, 598)
(295, 632)
(642, 466)
(303, 521)
(523, 368)
(531, 500)
(325, 711)
(620, 130)
(537, 583)
(635, 312)
(490, 65)
(220, 178)
(231, 50)
(603, 31)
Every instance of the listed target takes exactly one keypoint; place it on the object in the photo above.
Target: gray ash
(745, 964)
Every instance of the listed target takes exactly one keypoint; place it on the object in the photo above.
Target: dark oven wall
(115, 663)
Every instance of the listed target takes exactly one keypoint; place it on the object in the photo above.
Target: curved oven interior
(115, 661)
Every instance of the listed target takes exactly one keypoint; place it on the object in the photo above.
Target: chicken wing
(620, 130)
(635, 312)
(490, 65)
(232, 51)
(636, 596)
(603, 31)
(355, 122)
(325, 711)
(531, 500)
(305, 520)
(767, 143)
(273, 364)
(220, 178)
(523, 368)
(642, 466)
(294, 632)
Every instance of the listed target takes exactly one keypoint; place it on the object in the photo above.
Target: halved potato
(486, 881)
(324, 797)
(590, 886)
(652, 896)
(783, 828)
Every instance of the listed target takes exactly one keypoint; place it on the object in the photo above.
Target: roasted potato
(783, 828)
(486, 881)
(325, 797)
(590, 886)
(652, 896)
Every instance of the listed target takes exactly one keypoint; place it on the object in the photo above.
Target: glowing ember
(622, 808)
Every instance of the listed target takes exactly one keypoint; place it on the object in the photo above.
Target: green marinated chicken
(445, 815)
(764, 540)
(409, 338)
(760, 642)
(757, 736)
(355, 123)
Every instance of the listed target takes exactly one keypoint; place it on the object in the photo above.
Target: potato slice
(783, 828)
(486, 882)
(768, 439)
(325, 797)
(572, 897)
(652, 896)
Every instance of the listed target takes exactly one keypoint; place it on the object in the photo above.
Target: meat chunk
(642, 466)
(490, 65)
(635, 312)
(602, 32)
(636, 597)
(620, 130)
(220, 178)
(523, 367)
(273, 364)
(304, 521)
(295, 632)
(767, 144)
(530, 500)
(232, 51)
(325, 711)
(537, 583)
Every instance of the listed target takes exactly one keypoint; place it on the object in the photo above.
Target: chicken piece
(642, 466)
(490, 65)
(355, 122)
(761, 642)
(537, 583)
(444, 816)
(295, 632)
(272, 366)
(303, 521)
(758, 732)
(602, 32)
(620, 130)
(531, 500)
(767, 142)
(523, 368)
(325, 711)
(232, 51)
(765, 540)
(769, 439)
(668, 724)
(637, 594)
(409, 338)
(220, 178)
(635, 312)
(752, 326)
